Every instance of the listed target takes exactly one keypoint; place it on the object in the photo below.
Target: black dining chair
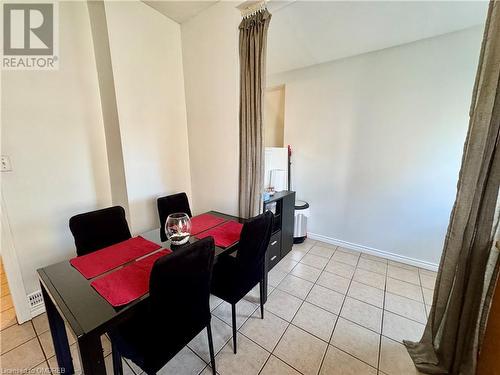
(98, 229)
(169, 205)
(177, 310)
(235, 276)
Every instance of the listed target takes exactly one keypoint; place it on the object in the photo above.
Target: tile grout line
(422, 292)
(309, 333)
(294, 315)
(346, 295)
(24, 342)
(275, 345)
(357, 299)
(303, 301)
(39, 341)
(382, 324)
(46, 360)
(215, 352)
(353, 356)
(328, 311)
(290, 322)
(272, 351)
(338, 317)
(333, 273)
(13, 323)
(229, 339)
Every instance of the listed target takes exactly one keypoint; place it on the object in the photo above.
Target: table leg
(91, 355)
(59, 336)
(117, 360)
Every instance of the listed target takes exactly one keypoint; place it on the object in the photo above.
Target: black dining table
(70, 299)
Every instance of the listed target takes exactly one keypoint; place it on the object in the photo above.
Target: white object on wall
(278, 179)
(5, 165)
(276, 159)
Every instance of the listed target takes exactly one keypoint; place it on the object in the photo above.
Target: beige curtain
(469, 267)
(253, 38)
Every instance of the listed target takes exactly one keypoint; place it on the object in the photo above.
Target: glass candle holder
(178, 228)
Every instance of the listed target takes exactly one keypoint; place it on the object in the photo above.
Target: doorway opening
(274, 116)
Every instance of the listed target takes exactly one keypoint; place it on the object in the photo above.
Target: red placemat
(101, 261)
(204, 222)
(224, 235)
(128, 283)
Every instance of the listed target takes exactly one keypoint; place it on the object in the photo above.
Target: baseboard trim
(35, 311)
(377, 252)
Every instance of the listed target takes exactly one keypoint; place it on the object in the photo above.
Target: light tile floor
(330, 311)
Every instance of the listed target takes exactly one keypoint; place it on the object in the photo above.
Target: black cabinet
(274, 250)
(282, 204)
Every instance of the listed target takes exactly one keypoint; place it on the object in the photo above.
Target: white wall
(390, 124)
(368, 134)
(52, 130)
(378, 139)
(211, 71)
(149, 83)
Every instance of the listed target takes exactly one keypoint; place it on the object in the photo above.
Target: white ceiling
(307, 32)
(180, 11)
(304, 33)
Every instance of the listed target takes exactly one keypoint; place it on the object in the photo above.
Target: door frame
(13, 269)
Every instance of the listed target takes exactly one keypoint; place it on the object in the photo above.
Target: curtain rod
(254, 9)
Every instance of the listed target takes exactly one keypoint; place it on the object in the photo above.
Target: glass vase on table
(178, 228)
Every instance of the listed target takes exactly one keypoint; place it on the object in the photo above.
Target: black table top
(278, 195)
(84, 310)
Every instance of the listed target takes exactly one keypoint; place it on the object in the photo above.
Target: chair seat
(133, 342)
(176, 311)
(230, 282)
(128, 340)
(234, 277)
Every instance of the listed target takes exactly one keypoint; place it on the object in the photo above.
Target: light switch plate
(5, 165)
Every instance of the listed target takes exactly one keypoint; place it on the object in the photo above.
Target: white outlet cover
(5, 165)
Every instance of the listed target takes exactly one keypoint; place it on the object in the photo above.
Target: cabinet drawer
(274, 250)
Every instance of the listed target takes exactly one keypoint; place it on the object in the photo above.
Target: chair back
(169, 205)
(179, 290)
(98, 229)
(254, 241)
